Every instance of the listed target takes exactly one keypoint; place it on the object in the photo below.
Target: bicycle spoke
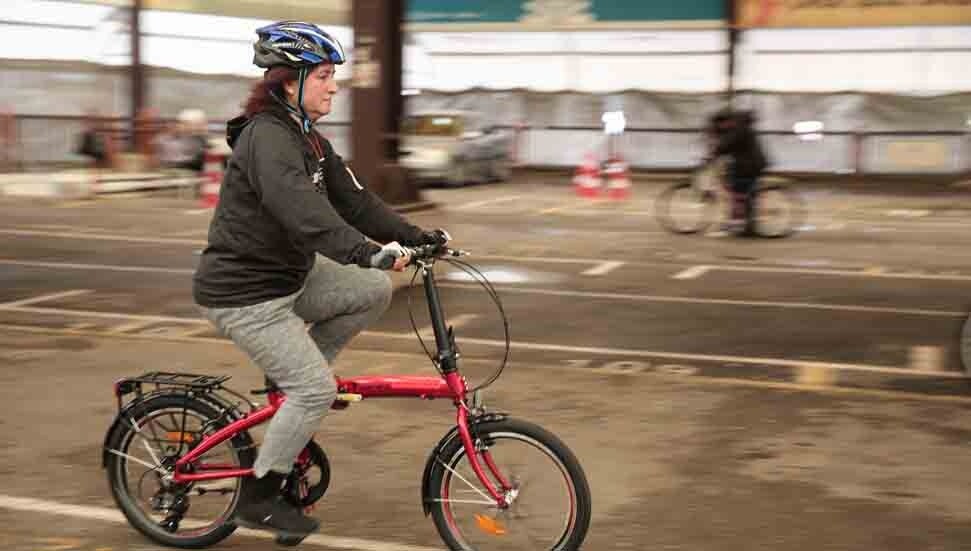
(145, 442)
(156, 468)
(543, 514)
(469, 484)
(491, 502)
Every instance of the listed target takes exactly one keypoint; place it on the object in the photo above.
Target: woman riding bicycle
(732, 133)
(287, 248)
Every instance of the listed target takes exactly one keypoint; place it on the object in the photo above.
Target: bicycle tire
(669, 208)
(795, 214)
(240, 446)
(488, 433)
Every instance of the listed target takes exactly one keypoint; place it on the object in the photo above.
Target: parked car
(454, 148)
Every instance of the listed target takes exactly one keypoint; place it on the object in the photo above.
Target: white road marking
(105, 267)
(816, 376)
(562, 207)
(692, 272)
(554, 260)
(727, 302)
(499, 343)
(131, 326)
(477, 204)
(44, 298)
(190, 332)
(637, 353)
(545, 259)
(104, 514)
(458, 321)
(880, 272)
(99, 314)
(578, 368)
(927, 358)
(102, 237)
(603, 268)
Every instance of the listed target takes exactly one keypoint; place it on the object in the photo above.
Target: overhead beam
(332, 12)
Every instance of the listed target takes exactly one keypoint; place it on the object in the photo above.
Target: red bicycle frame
(449, 385)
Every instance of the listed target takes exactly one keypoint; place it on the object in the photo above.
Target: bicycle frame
(449, 385)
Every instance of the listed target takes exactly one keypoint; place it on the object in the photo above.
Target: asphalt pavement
(803, 393)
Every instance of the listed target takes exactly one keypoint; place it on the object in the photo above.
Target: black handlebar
(429, 252)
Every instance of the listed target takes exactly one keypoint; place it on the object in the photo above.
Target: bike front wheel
(684, 208)
(547, 489)
(780, 211)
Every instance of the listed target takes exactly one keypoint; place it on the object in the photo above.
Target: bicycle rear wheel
(779, 211)
(683, 208)
(142, 449)
(549, 494)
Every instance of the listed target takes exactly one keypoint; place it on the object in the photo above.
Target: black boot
(263, 508)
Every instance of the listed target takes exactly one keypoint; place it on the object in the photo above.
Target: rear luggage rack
(189, 381)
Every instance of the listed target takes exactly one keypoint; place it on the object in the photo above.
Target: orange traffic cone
(586, 178)
(618, 179)
(212, 179)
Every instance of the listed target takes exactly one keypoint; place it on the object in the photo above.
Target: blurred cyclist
(287, 248)
(732, 134)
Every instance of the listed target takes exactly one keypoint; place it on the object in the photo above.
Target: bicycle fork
(447, 361)
(473, 453)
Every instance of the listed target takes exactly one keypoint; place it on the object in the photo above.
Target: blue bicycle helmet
(299, 46)
(295, 44)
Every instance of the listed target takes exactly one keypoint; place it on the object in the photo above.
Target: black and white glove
(435, 237)
(386, 257)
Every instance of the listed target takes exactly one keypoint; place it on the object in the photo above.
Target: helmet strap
(299, 111)
(301, 79)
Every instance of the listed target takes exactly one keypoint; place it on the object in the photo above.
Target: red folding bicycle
(180, 445)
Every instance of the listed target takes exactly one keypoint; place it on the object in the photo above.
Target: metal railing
(43, 142)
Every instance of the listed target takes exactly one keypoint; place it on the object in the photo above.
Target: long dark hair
(260, 96)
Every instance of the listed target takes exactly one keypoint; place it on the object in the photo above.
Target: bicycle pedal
(347, 397)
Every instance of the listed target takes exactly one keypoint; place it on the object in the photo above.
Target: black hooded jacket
(279, 206)
(739, 141)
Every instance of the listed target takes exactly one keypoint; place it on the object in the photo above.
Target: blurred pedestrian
(93, 142)
(146, 136)
(8, 139)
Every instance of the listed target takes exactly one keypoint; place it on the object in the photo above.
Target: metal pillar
(376, 98)
(731, 19)
(137, 69)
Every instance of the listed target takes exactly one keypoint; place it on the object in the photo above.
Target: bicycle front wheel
(549, 496)
(780, 211)
(683, 208)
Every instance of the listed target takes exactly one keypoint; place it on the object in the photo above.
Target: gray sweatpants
(339, 301)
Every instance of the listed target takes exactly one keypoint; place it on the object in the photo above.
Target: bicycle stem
(444, 341)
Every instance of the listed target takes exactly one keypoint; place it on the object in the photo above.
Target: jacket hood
(234, 128)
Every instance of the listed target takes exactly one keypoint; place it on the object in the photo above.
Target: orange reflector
(179, 437)
(490, 525)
